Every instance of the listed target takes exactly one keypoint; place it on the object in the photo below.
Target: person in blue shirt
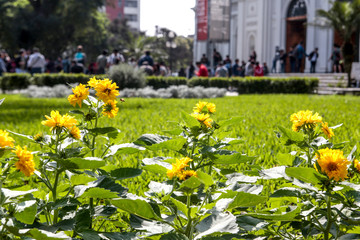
(300, 55)
(236, 68)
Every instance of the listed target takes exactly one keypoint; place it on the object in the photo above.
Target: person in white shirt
(36, 62)
(116, 58)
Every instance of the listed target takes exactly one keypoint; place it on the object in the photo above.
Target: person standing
(336, 57)
(101, 62)
(276, 58)
(217, 58)
(80, 56)
(205, 60)
(20, 62)
(221, 70)
(258, 71)
(36, 62)
(300, 54)
(313, 57)
(202, 72)
(292, 59)
(2, 63)
(146, 58)
(283, 57)
(236, 69)
(116, 58)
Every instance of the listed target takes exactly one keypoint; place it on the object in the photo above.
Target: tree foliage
(344, 17)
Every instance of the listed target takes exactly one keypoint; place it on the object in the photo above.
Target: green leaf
(287, 216)
(65, 202)
(285, 159)
(114, 134)
(244, 199)
(205, 178)
(173, 236)
(126, 148)
(180, 206)
(137, 207)
(189, 120)
(77, 112)
(291, 135)
(217, 223)
(102, 182)
(99, 193)
(232, 159)
(104, 211)
(174, 144)
(25, 211)
(231, 121)
(123, 173)
(81, 163)
(101, 131)
(118, 236)
(288, 192)
(309, 175)
(150, 139)
(155, 169)
(190, 184)
(38, 234)
(90, 235)
(13, 194)
(80, 179)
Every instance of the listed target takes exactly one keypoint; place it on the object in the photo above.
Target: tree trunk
(348, 56)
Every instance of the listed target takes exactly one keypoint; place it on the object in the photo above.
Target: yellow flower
(200, 107)
(106, 90)
(327, 131)
(203, 119)
(304, 119)
(93, 82)
(187, 174)
(333, 163)
(68, 121)
(357, 165)
(25, 163)
(211, 107)
(178, 167)
(109, 109)
(80, 93)
(5, 139)
(54, 121)
(38, 137)
(75, 132)
(58, 121)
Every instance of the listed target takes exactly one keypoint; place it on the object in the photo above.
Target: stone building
(124, 9)
(263, 25)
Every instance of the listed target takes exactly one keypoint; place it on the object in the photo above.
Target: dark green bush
(164, 82)
(220, 82)
(12, 81)
(199, 81)
(126, 76)
(51, 79)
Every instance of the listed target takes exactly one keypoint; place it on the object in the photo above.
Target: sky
(175, 15)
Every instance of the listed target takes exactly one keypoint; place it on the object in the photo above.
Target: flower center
(332, 166)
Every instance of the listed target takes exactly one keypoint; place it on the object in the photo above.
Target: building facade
(124, 9)
(264, 25)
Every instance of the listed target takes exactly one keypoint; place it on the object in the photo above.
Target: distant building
(237, 27)
(124, 9)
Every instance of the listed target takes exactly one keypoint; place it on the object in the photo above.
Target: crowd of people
(33, 61)
(225, 68)
(27, 61)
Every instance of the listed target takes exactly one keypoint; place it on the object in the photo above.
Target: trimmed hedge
(165, 82)
(245, 85)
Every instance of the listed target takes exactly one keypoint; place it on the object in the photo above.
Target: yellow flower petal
(333, 163)
(25, 163)
(5, 139)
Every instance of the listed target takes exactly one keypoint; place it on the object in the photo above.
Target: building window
(132, 4)
(131, 17)
(297, 8)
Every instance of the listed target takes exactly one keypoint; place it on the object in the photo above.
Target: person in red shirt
(203, 72)
(258, 71)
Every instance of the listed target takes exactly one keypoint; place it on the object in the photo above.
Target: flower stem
(329, 219)
(189, 229)
(54, 193)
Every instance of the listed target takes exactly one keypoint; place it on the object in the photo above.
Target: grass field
(261, 115)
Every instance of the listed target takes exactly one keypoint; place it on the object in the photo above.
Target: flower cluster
(333, 163)
(58, 122)
(307, 120)
(5, 139)
(81, 92)
(178, 169)
(25, 161)
(202, 111)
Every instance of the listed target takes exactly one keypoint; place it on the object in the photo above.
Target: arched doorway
(295, 27)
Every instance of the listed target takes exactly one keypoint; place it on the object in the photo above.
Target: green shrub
(52, 79)
(220, 82)
(157, 82)
(12, 81)
(126, 76)
(199, 81)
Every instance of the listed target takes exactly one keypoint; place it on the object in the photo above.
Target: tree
(344, 17)
(52, 25)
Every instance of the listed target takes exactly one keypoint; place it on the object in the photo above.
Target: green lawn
(261, 116)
